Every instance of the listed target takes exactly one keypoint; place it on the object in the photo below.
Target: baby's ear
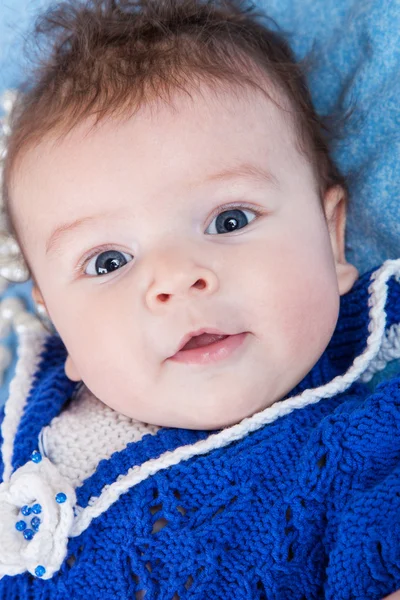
(335, 213)
(70, 370)
(41, 306)
(37, 296)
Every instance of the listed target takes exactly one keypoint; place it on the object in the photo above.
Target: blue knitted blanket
(300, 501)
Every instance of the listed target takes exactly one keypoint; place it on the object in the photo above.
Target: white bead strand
(15, 271)
(13, 313)
(3, 284)
(5, 328)
(25, 321)
(8, 100)
(5, 361)
(10, 307)
(12, 263)
(13, 268)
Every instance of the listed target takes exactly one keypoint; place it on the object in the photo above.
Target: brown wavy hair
(109, 57)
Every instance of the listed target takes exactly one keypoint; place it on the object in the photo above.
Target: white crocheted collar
(71, 520)
(86, 432)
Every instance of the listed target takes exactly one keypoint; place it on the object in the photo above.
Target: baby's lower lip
(212, 352)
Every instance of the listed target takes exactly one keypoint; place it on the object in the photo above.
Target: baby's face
(163, 253)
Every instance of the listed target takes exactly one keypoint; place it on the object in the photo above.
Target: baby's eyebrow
(244, 170)
(58, 233)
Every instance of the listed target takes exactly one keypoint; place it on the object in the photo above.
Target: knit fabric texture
(86, 432)
(305, 506)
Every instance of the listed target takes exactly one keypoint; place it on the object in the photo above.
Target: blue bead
(20, 525)
(35, 522)
(28, 534)
(36, 509)
(26, 511)
(40, 571)
(36, 456)
(61, 498)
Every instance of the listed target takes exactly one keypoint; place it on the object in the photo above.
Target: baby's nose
(179, 280)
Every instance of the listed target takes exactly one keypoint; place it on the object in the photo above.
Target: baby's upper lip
(191, 334)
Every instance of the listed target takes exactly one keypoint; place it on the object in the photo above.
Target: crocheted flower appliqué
(36, 516)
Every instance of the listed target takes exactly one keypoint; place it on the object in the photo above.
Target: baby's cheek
(311, 320)
(294, 311)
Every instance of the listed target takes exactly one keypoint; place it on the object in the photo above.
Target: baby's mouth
(205, 339)
(209, 348)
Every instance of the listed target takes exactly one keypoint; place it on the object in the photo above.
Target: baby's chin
(211, 421)
(200, 412)
(217, 424)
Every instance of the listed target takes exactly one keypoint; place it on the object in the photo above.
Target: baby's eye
(105, 262)
(232, 219)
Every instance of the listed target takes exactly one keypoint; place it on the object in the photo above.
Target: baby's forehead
(192, 138)
(207, 98)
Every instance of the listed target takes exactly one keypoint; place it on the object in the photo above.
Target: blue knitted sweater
(299, 502)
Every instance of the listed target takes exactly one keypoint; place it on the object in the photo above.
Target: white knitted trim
(389, 350)
(29, 348)
(87, 432)
(110, 493)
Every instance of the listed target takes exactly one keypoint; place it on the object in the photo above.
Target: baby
(198, 426)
